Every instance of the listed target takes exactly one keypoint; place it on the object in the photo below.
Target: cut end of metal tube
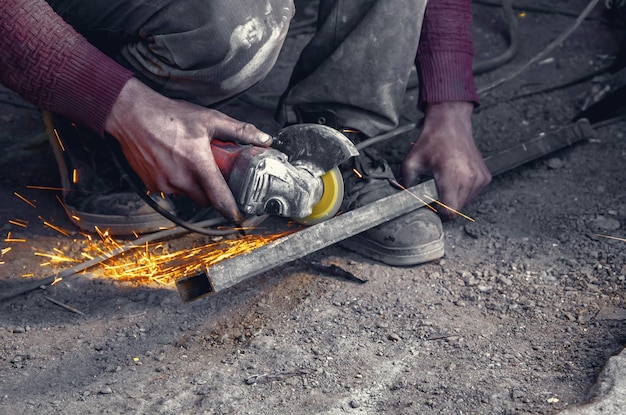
(194, 287)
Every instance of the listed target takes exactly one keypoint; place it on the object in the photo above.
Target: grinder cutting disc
(323, 149)
(330, 201)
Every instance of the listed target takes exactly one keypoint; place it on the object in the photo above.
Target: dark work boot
(95, 193)
(410, 239)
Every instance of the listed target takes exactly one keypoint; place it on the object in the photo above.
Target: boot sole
(393, 256)
(118, 225)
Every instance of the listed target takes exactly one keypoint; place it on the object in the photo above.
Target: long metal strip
(308, 240)
(538, 147)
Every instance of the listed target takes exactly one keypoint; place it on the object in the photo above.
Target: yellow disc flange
(330, 202)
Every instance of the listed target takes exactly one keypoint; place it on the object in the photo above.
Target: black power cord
(511, 51)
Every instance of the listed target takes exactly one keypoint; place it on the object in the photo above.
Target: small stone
(485, 288)
(555, 163)
(605, 224)
(393, 337)
(517, 394)
(471, 281)
(106, 390)
(19, 330)
(354, 404)
(472, 231)
(505, 281)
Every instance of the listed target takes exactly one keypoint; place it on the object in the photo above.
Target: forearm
(445, 53)
(47, 62)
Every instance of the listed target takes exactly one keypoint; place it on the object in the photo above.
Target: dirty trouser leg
(357, 65)
(204, 51)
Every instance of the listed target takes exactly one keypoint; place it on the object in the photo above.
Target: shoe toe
(411, 239)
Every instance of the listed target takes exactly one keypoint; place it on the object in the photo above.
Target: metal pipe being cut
(303, 242)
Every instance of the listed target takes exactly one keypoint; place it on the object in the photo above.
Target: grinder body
(264, 182)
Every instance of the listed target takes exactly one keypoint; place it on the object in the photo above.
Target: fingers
(218, 193)
(205, 185)
(460, 177)
(226, 128)
(459, 189)
(452, 195)
(413, 169)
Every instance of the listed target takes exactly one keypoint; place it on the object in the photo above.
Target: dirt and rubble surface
(520, 316)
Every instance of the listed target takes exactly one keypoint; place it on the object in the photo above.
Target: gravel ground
(520, 316)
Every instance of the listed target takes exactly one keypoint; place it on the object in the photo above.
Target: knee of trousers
(210, 53)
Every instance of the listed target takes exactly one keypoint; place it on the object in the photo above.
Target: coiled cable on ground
(556, 42)
(513, 36)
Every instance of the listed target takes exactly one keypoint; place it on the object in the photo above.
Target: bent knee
(210, 53)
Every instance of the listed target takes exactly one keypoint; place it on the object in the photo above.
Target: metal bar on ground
(544, 144)
(308, 240)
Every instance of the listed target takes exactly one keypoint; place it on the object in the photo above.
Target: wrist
(127, 102)
(446, 108)
(452, 117)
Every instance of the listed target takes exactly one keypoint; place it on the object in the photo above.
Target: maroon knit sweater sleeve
(445, 53)
(47, 62)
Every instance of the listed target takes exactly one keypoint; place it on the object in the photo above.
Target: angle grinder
(297, 177)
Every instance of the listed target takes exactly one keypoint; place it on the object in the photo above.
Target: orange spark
(611, 237)
(47, 188)
(149, 262)
(18, 222)
(56, 134)
(23, 199)
(60, 230)
(398, 185)
(395, 183)
(461, 214)
(154, 263)
(9, 239)
(55, 258)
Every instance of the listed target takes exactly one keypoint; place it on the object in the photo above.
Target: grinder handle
(225, 155)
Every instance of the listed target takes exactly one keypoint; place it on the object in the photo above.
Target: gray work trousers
(207, 51)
